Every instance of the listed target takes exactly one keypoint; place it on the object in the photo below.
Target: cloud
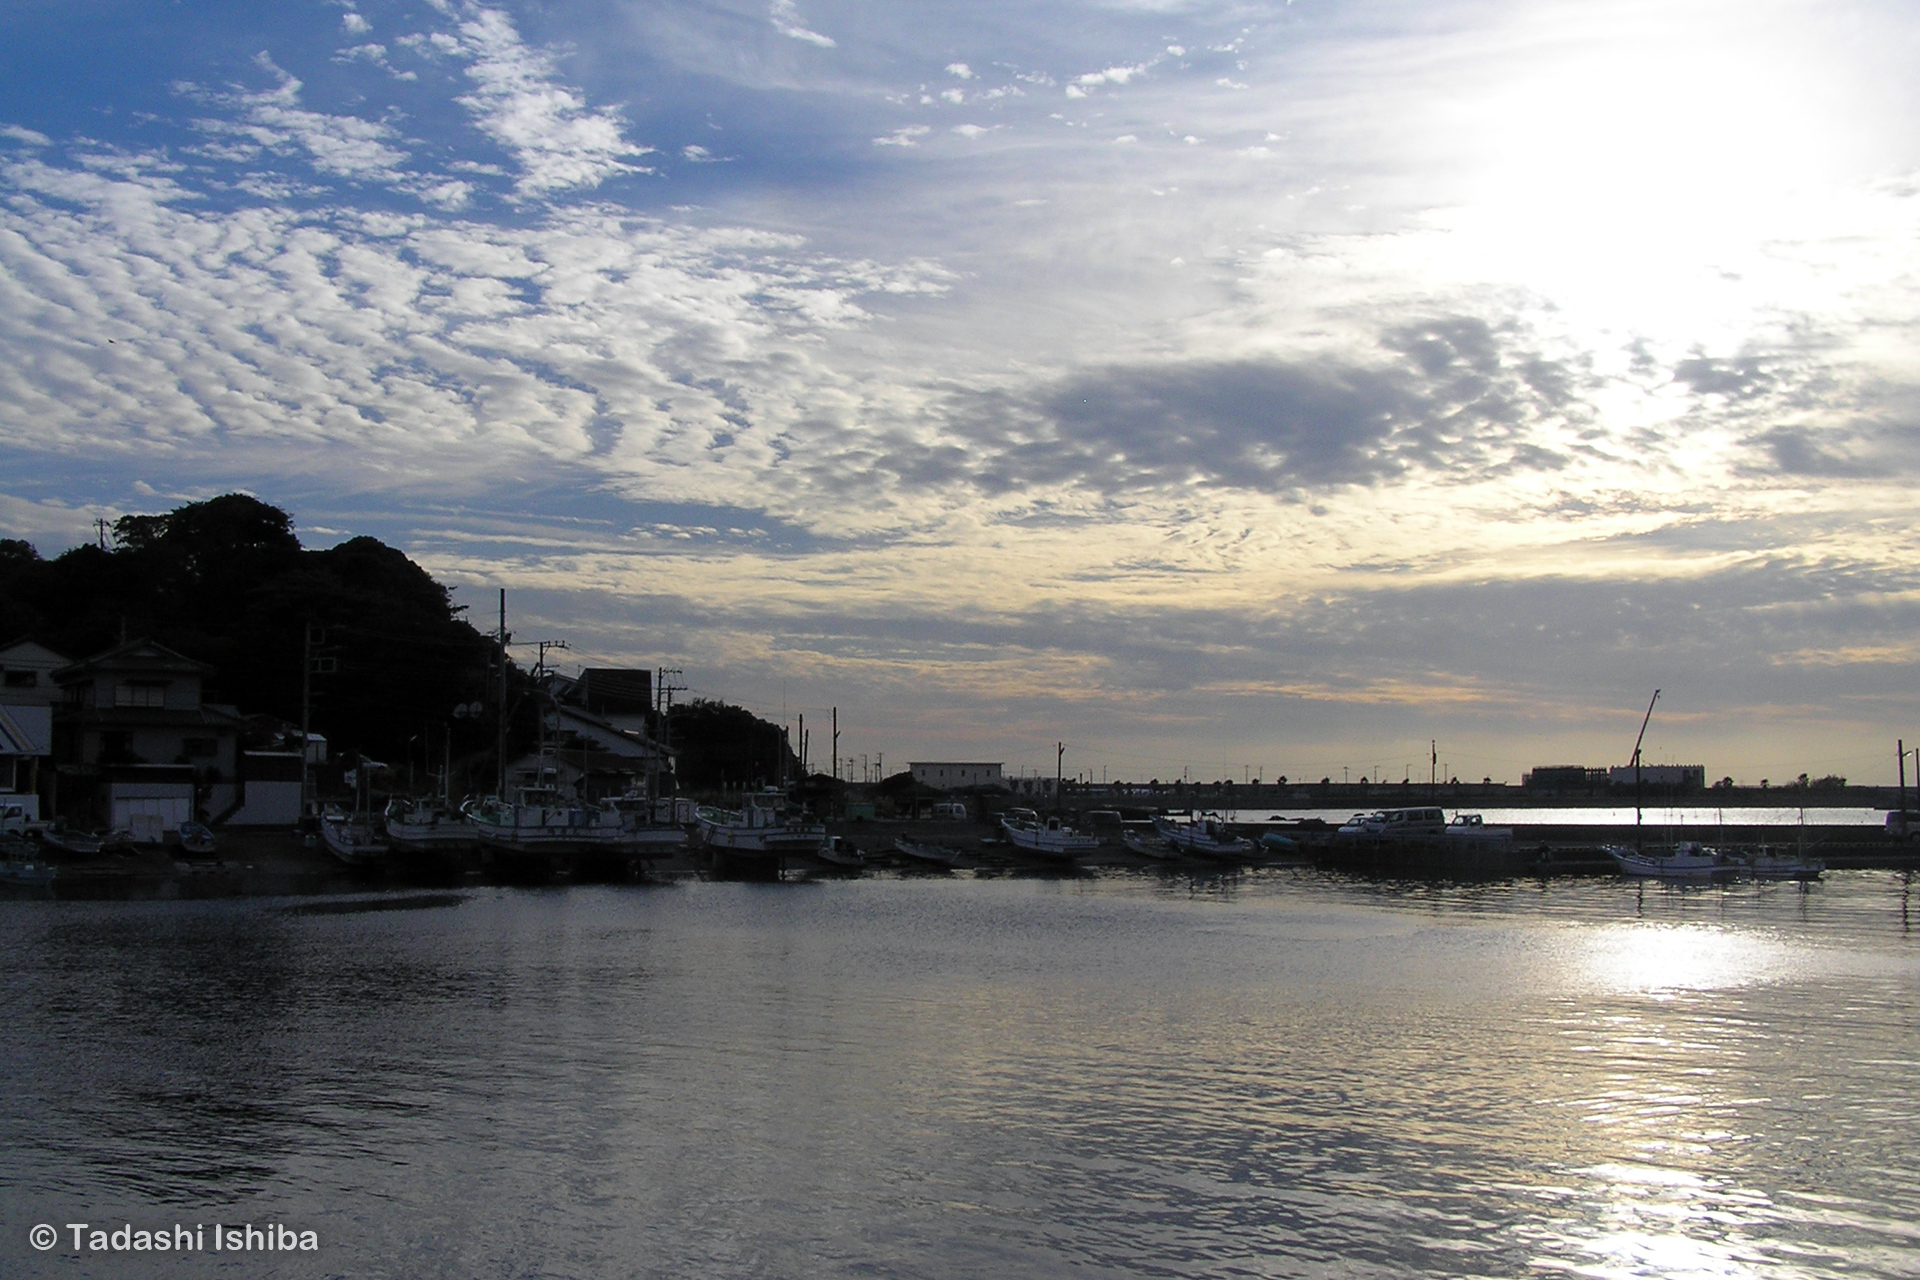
(960, 70)
(785, 16)
(273, 120)
(28, 136)
(558, 142)
(906, 136)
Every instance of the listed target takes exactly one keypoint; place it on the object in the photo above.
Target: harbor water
(1276, 1073)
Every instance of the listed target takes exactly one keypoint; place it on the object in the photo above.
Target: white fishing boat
(1205, 837)
(647, 828)
(1687, 860)
(540, 822)
(1050, 837)
(353, 838)
(763, 830)
(428, 826)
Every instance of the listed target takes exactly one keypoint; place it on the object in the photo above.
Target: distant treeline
(226, 582)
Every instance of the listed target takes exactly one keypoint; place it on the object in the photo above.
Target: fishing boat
(839, 852)
(540, 833)
(647, 829)
(428, 826)
(934, 855)
(762, 833)
(1687, 860)
(1050, 838)
(1206, 837)
(354, 839)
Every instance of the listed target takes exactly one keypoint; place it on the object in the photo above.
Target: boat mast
(1637, 846)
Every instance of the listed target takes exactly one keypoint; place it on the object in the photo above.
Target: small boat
(1779, 866)
(20, 864)
(353, 839)
(1051, 838)
(1206, 837)
(1276, 845)
(936, 855)
(840, 852)
(1471, 829)
(1155, 847)
(65, 841)
(1687, 860)
(197, 841)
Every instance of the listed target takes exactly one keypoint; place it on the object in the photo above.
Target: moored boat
(1206, 837)
(1050, 838)
(428, 826)
(1687, 860)
(1155, 847)
(353, 838)
(761, 834)
(934, 855)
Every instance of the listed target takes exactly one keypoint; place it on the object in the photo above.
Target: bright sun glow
(1666, 958)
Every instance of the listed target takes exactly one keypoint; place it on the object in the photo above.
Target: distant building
(620, 696)
(1560, 779)
(137, 747)
(27, 695)
(1665, 777)
(950, 775)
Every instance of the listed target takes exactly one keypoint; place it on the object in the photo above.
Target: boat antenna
(1637, 845)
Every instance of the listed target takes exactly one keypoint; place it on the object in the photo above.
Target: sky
(1217, 389)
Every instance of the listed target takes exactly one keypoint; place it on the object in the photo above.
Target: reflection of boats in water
(1050, 838)
(1206, 837)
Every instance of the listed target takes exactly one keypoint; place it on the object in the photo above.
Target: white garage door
(150, 818)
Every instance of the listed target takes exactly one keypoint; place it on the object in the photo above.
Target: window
(140, 693)
(23, 680)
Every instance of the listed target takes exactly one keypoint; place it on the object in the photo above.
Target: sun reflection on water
(1657, 959)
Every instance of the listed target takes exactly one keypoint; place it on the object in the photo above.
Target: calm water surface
(1276, 1074)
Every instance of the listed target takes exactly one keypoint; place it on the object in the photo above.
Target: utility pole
(100, 523)
(663, 696)
(836, 744)
(1059, 758)
(803, 746)
(500, 741)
